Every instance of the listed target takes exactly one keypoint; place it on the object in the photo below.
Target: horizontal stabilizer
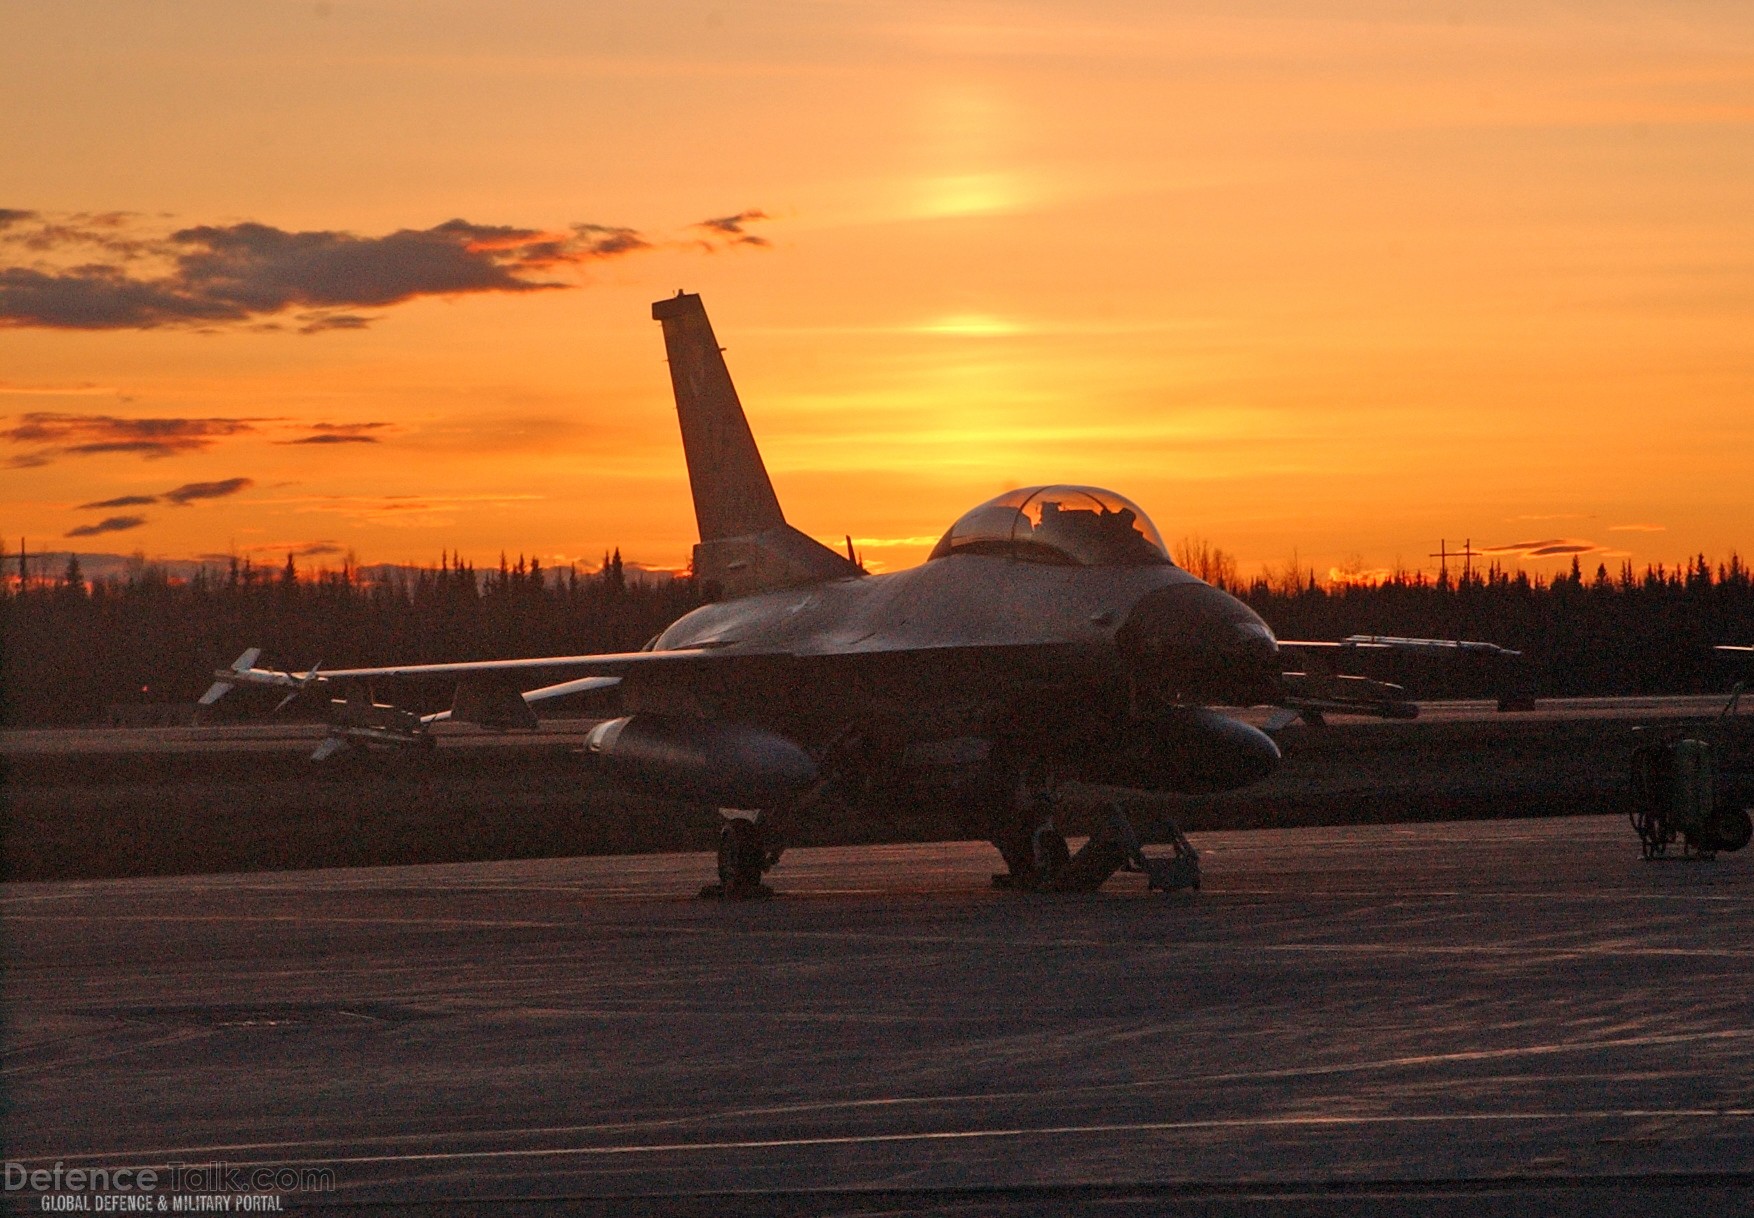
(781, 557)
(215, 692)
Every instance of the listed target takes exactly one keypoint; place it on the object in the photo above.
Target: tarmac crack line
(1417, 949)
(1011, 1132)
(299, 919)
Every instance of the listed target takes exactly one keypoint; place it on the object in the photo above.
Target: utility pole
(1467, 554)
(1442, 557)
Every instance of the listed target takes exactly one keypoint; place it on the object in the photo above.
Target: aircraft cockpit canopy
(1069, 526)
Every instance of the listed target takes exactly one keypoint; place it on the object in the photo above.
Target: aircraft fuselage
(970, 644)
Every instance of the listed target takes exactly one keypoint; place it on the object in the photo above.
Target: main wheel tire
(1729, 829)
(1009, 831)
(742, 850)
(1051, 854)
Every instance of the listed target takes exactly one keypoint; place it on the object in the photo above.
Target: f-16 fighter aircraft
(1049, 637)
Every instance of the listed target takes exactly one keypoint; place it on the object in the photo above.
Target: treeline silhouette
(1603, 634)
(73, 647)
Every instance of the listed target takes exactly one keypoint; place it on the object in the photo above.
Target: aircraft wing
(607, 664)
(502, 677)
(490, 691)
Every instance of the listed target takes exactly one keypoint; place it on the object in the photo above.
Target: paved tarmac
(1461, 1018)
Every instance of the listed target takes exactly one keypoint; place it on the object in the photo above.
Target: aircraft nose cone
(1196, 643)
(1248, 643)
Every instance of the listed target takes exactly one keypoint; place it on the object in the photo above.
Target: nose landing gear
(744, 854)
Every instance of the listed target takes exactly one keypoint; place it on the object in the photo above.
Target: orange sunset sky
(1345, 278)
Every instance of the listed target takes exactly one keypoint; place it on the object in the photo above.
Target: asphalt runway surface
(1509, 1017)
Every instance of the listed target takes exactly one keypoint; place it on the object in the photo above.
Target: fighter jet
(1049, 638)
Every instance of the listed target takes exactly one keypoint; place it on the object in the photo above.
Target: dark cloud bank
(107, 272)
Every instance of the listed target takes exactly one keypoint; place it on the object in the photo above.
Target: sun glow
(969, 194)
(974, 325)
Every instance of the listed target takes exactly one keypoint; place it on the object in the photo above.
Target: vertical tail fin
(732, 494)
(745, 543)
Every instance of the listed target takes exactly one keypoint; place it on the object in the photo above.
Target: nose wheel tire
(743, 855)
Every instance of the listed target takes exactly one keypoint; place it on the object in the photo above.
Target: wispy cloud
(398, 511)
(340, 433)
(1638, 528)
(120, 501)
(180, 496)
(298, 549)
(81, 389)
(190, 492)
(53, 434)
(1550, 547)
(109, 524)
(607, 240)
(733, 228)
(111, 271)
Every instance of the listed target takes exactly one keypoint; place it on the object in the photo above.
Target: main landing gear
(744, 854)
(1039, 860)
